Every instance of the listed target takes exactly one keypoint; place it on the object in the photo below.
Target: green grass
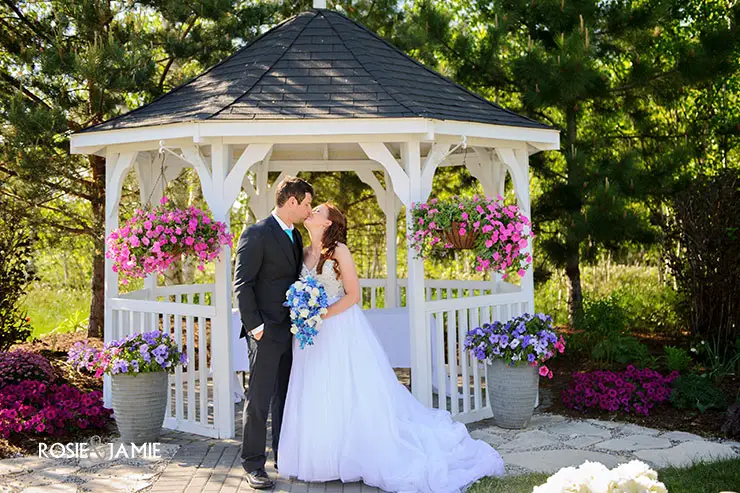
(513, 484)
(650, 304)
(57, 310)
(710, 477)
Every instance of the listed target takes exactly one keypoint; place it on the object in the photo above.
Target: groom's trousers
(269, 371)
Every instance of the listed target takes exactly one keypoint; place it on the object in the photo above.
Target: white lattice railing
(186, 312)
(460, 380)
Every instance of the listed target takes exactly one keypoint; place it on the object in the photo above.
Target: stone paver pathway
(190, 463)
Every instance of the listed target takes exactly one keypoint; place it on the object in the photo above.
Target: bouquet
(594, 477)
(152, 239)
(498, 233)
(307, 301)
(136, 353)
(526, 339)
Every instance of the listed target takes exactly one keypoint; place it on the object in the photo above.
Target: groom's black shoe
(259, 480)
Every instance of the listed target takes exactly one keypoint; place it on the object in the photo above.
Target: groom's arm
(249, 253)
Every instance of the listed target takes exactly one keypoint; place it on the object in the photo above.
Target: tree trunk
(97, 306)
(575, 298)
(573, 242)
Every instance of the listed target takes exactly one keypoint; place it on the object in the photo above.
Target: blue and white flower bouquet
(307, 301)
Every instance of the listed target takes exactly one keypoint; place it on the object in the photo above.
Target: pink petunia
(543, 371)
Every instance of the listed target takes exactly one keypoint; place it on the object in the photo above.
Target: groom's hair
(292, 186)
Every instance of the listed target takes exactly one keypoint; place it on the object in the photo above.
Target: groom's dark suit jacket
(267, 263)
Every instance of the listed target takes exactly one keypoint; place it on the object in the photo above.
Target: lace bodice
(333, 285)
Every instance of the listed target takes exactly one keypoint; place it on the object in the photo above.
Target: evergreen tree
(592, 69)
(68, 64)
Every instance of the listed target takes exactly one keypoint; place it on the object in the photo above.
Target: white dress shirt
(284, 226)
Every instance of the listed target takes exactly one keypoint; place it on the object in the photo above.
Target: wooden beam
(379, 152)
(434, 158)
(254, 153)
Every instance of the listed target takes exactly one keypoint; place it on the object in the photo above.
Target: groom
(269, 257)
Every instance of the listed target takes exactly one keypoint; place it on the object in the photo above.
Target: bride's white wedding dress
(348, 417)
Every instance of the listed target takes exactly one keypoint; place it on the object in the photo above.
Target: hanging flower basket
(459, 238)
(497, 234)
(154, 238)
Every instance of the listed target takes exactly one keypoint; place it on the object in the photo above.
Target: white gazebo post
(116, 168)
(517, 161)
(391, 240)
(421, 348)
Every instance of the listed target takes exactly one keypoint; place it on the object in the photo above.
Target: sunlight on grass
(60, 310)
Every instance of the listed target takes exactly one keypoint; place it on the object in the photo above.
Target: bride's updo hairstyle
(335, 233)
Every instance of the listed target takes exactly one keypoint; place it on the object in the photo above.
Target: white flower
(294, 329)
(634, 469)
(593, 477)
(303, 313)
(323, 311)
(514, 343)
(315, 291)
(516, 357)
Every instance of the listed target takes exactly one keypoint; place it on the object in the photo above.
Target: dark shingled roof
(318, 64)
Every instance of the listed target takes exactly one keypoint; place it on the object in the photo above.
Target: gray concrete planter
(512, 392)
(139, 403)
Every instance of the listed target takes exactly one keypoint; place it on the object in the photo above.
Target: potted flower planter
(512, 392)
(139, 366)
(515, 353)
(139, 404)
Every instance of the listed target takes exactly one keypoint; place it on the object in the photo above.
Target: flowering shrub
(136, 353)
(502, 231)
(594, 477)
(630, 391)
(48, 409)
(152, 239)
(17, 366)
(527, 339)
(307, 301)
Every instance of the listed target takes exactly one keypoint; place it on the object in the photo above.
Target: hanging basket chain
(161, 177)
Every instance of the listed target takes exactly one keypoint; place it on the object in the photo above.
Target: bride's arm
(350, 280)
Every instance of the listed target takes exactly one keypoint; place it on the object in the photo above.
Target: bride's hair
(334, 234)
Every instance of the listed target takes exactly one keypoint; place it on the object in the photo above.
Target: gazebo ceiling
(318, 65)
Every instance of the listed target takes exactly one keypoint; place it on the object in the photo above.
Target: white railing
(186, 313)
(373, 290)
(460, 380)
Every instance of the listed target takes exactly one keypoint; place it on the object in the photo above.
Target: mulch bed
(665, 417)
(54, 347)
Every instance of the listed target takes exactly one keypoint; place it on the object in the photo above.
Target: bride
(347, 416)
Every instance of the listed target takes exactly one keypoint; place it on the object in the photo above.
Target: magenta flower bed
(631, 391)
(44, 409)
(17, 366)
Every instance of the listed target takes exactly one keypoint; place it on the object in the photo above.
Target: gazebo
(319, 92)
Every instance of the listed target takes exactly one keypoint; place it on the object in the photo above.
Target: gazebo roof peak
(318, 65)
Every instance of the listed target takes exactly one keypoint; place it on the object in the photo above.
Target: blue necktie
(290, 234)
